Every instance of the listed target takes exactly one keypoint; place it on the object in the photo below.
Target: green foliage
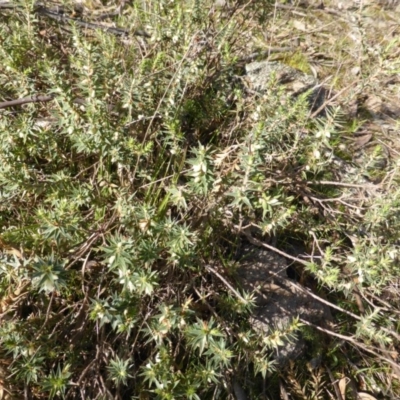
(57, 381)
(118, 370)
(48, 275)
(119, 193)
(28, 369)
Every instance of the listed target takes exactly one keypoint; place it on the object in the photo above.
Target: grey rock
(295, 82)
(264, 272)
(260, 74)
(238, 391)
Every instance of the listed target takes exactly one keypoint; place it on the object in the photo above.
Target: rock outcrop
(278, 301)
(295, 82)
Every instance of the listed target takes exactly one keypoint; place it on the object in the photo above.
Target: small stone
(295, 82)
